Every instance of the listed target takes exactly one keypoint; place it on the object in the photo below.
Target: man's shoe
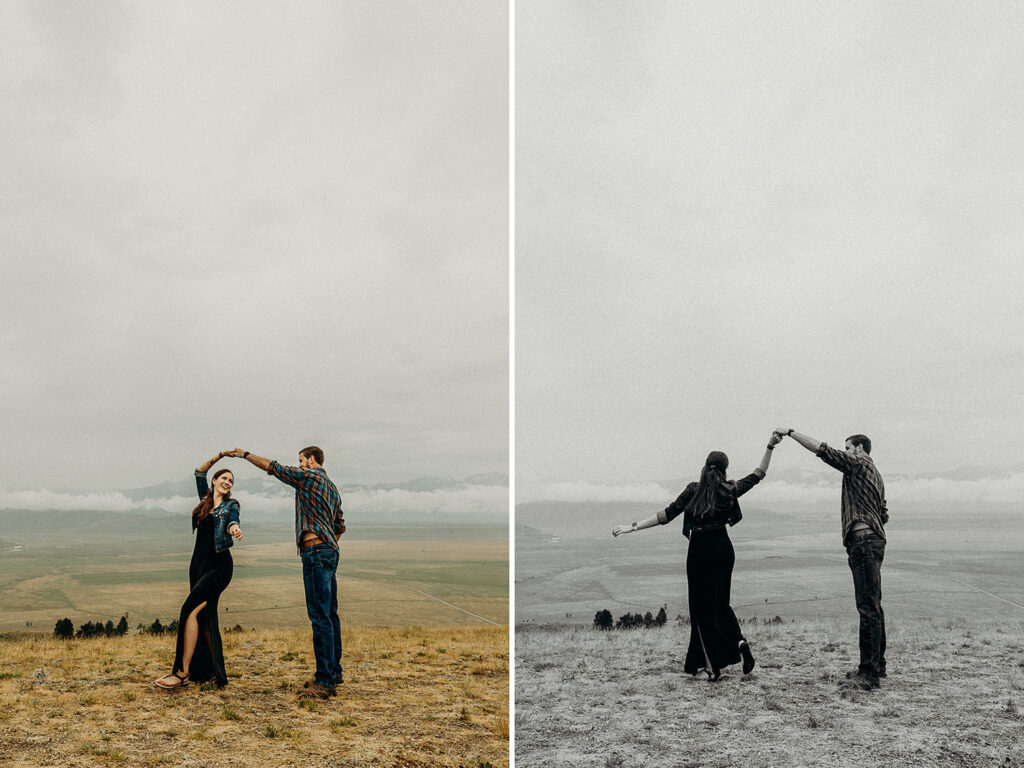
(313, 689)
(860, 680)
(854, 672)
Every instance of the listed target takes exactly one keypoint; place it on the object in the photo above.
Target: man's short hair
(314, 453)
(861, 440)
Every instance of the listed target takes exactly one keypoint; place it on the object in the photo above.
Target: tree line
(603, 620)
(65, 630)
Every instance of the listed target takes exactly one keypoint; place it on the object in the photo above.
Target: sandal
(182, 681)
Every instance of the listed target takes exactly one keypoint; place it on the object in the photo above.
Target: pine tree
(64, 629)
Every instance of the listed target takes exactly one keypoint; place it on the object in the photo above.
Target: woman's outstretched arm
(667, 515)
(650, 522)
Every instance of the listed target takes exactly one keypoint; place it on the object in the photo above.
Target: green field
(383, 574)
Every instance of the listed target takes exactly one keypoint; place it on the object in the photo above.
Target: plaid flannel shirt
(317, 502)
(863, 489)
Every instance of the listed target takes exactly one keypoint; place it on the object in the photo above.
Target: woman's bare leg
(191, 635)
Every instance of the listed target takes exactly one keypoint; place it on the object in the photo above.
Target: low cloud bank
(904, 492)
(477, 500)
(41, 501)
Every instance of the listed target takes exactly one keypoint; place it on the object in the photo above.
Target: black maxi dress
(715, 633)
(209, 573)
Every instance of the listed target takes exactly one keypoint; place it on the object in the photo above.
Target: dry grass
(953, 699)
(412, 697)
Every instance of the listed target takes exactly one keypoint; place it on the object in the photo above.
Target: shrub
(89, 629)
(64, 629)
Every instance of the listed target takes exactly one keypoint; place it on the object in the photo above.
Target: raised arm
(259, 461)
(201, 485)
(806, 441)
(744, 484)
(774, 440)
(206, 465)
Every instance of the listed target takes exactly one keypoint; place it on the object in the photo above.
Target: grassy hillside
(411, 697)
(954, 698)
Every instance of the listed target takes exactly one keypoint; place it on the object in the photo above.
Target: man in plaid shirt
(864, 515)
(318, 524)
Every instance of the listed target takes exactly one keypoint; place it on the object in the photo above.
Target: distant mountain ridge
(270, 486)
(817, 473)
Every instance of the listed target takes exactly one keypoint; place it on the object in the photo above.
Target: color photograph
(254, 506)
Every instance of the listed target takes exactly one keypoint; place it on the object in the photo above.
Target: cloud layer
(478, 501)
(901, 492)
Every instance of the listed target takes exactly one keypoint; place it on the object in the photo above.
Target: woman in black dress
(707, 507)
(199, 655)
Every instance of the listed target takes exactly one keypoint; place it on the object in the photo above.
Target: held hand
(774, 440)
(782, 431)
(235, 531)
(235, 453)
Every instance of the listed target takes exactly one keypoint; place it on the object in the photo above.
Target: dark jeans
(319, 577)
(865, 556)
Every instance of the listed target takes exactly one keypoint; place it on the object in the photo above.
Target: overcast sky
(264, 224)
(737, 216)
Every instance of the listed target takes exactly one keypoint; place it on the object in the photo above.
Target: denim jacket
(224, 514)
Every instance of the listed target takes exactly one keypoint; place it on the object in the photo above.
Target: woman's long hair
(205, 505)
(713, 489)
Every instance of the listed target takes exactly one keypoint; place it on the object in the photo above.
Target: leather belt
(860, 533)
(310, 542)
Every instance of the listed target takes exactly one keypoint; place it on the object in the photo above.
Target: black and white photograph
(768, 434)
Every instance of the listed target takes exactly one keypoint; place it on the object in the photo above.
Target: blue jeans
(865, 555)
(319, 577)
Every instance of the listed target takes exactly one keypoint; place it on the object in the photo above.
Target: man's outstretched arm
(260, 461)
(806, 441)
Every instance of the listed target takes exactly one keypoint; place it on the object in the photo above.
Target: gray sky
(262, 224)
(735, 216)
